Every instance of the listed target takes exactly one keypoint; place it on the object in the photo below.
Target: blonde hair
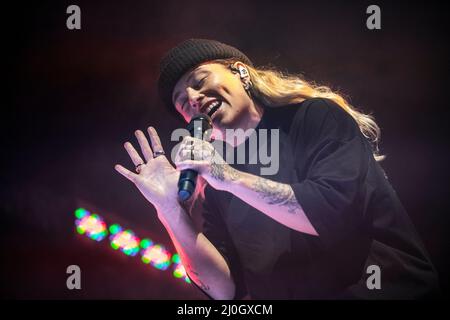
(275, 88)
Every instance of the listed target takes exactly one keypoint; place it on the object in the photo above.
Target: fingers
(190, 141)
(125, 172)
(154, 139)
(185, 151)
(198, 143)
(188, 144)
(135, 157)
(190, 164)
(146, 151)
(194, 154)
(186, 155)
(145, 147)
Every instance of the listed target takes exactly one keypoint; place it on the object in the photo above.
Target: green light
(177, 274)
(114, 245)
(176, 258)
(80, 213)
(113, 229)
(80, 230)
(145, 243)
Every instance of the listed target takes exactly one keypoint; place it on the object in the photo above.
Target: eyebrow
(175, 97)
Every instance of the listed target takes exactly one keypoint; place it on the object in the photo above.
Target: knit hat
(187, 55)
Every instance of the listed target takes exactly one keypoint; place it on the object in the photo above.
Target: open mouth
(213, 107)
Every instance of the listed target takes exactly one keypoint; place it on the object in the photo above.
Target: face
(213, 89)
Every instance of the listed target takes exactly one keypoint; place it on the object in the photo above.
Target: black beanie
(187, 55)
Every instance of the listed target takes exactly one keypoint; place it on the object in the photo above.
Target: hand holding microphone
(197, 127)
(207, 162)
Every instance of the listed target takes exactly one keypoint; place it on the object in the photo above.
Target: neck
(251, 121)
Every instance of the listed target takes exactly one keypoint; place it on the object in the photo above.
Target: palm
(157, 179)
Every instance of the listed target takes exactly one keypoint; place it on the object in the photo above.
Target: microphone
(188, 177)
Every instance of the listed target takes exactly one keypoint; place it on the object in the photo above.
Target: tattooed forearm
(202, 285)
(232, 173)
(276, 193)
(217, 171)
(223, 171)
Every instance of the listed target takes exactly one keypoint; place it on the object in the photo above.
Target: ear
(240, 68)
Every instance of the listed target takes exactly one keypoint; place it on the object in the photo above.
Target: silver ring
(138, 166)
(158, 153)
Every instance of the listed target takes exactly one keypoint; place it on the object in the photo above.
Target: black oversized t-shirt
(345, 194)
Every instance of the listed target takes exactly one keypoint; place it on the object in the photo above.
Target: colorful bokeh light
(114, 228)
(93, 226)
(90, 224)
(157, 256)
(125, 241)
(179, 270)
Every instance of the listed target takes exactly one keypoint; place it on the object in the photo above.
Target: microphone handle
(186, 183)
(188, 177)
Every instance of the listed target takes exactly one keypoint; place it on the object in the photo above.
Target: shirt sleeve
(333, 155)
(215, 230)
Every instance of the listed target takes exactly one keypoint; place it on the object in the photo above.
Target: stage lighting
(125, 240)
(157, 256)
(93, 226)
(179, 270)
(90, 224)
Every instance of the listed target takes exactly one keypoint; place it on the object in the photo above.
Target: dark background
(78, 95)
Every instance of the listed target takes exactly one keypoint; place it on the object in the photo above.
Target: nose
(195, 98)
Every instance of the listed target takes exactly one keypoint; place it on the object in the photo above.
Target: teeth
(211, 106)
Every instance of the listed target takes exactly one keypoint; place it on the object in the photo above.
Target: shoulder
(319, 109)
(323, 117)
(308, 110)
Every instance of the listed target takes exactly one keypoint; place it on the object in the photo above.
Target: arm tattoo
(232, 173)
(277, 194)
(202, 286)
(222, 171)
(217, 171)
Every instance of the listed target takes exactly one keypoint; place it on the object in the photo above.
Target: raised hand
(155, 177)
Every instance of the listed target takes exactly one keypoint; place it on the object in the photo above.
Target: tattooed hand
(201, 156)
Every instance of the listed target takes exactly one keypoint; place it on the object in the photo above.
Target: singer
(312, 230)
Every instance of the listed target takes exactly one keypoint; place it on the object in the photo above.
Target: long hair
(274, 88)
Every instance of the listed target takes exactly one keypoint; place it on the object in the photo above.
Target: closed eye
(198, 84)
